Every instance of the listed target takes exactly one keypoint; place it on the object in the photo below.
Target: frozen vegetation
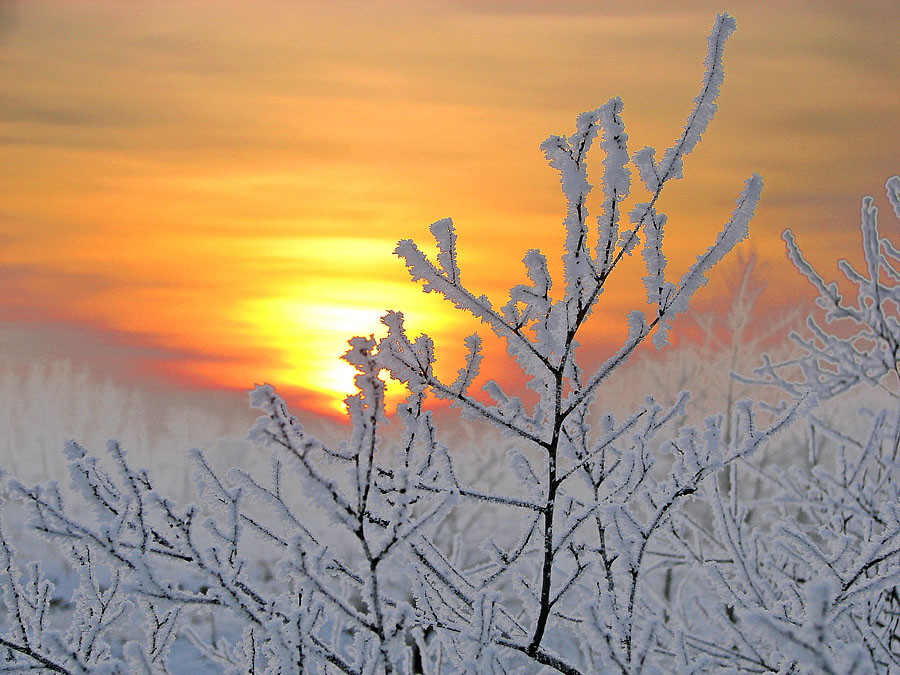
(586, 538)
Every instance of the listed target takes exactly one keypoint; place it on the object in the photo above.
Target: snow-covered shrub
(831, 564)
(598, 538)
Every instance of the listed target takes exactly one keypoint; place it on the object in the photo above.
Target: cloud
(17, 109)
(44, 289)
(112, 353)
(9, 18)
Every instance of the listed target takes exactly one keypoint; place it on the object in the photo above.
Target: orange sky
(210, 191)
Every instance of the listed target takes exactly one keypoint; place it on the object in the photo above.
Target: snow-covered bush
(615, 544)
(832, 562)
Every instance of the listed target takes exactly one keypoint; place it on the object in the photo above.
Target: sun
(316, 365)
(309, 323)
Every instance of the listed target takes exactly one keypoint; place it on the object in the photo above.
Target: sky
(201, 195)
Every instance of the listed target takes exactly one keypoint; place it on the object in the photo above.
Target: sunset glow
(219, 185)
(310, 320)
